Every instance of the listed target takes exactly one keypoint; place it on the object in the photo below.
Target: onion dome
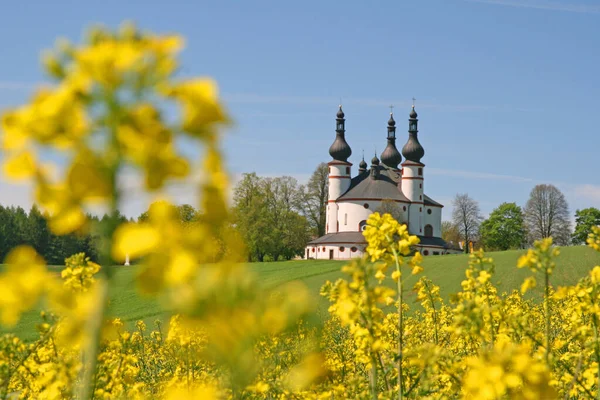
(375, 160)
(340, 150)
(413, 113)
(391, 121)
(362, 167)
(412, 150)
(391, 156)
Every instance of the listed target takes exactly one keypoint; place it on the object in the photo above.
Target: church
(387, 183)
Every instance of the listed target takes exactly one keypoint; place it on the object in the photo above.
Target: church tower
(412, 176)
(339, 171)
(391, 156)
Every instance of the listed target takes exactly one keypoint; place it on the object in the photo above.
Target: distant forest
(19, 227)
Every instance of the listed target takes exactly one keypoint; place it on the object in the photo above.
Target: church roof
(432, 241)
(340, 237)
(384, 186)
(358, 238)
(430, 202)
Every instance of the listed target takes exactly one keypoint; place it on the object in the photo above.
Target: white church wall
(415, 219)
(341, 251)
(331, 217)
(351, 213)
(434, 219)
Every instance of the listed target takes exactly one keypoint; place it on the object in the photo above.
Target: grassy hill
(446, 271)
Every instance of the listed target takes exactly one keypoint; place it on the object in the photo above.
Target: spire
(340, 150)
(413, 150)
(362, 167)
(391, 156)
(374, 167)
(375, 160)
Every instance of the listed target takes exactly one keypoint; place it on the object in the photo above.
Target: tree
(467, 217)
(250, 215)
(267, 215)
(547, 215)
(313, 199)
(584, 221)
(504, 229)
(450, 233)
(389, 206)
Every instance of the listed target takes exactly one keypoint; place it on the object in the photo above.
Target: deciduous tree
(389, 206)
(450, 233)
(547, 215)
(313, 199)
(504, 229)
(467, 217)
(584, 221)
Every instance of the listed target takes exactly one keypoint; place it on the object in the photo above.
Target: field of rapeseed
(230, 337)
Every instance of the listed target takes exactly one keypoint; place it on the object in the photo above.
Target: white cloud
(545, 5)
(476, 175)
(588, 192)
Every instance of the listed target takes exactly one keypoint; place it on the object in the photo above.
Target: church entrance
(331, 254)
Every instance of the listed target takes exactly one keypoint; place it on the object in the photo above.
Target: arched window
(348, 170)
(428, 231)
(362, 225)
(420, 171)
(429, 211)
(346, 219)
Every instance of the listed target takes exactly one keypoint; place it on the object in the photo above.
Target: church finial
(375, 160)
(362, 167)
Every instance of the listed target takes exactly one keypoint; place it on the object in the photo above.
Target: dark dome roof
(413, 150)
(391, 121)
(340, 113)
(375, 161)
(413, 113)
(363, 164)
(340, 150)
(391, 156)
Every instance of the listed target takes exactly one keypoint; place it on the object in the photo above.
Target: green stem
(597, 351)
(94, 327)
(547, 311)
(400, 325)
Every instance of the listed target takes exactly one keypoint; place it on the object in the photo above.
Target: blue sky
(507, 90)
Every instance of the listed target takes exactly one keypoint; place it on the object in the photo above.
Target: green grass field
(446, 271)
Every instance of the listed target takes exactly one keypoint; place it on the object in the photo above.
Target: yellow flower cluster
(508, 371)
(79, 272)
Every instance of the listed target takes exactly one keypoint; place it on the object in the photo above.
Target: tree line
(19, 227)
(276, 217)
(546, 214)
